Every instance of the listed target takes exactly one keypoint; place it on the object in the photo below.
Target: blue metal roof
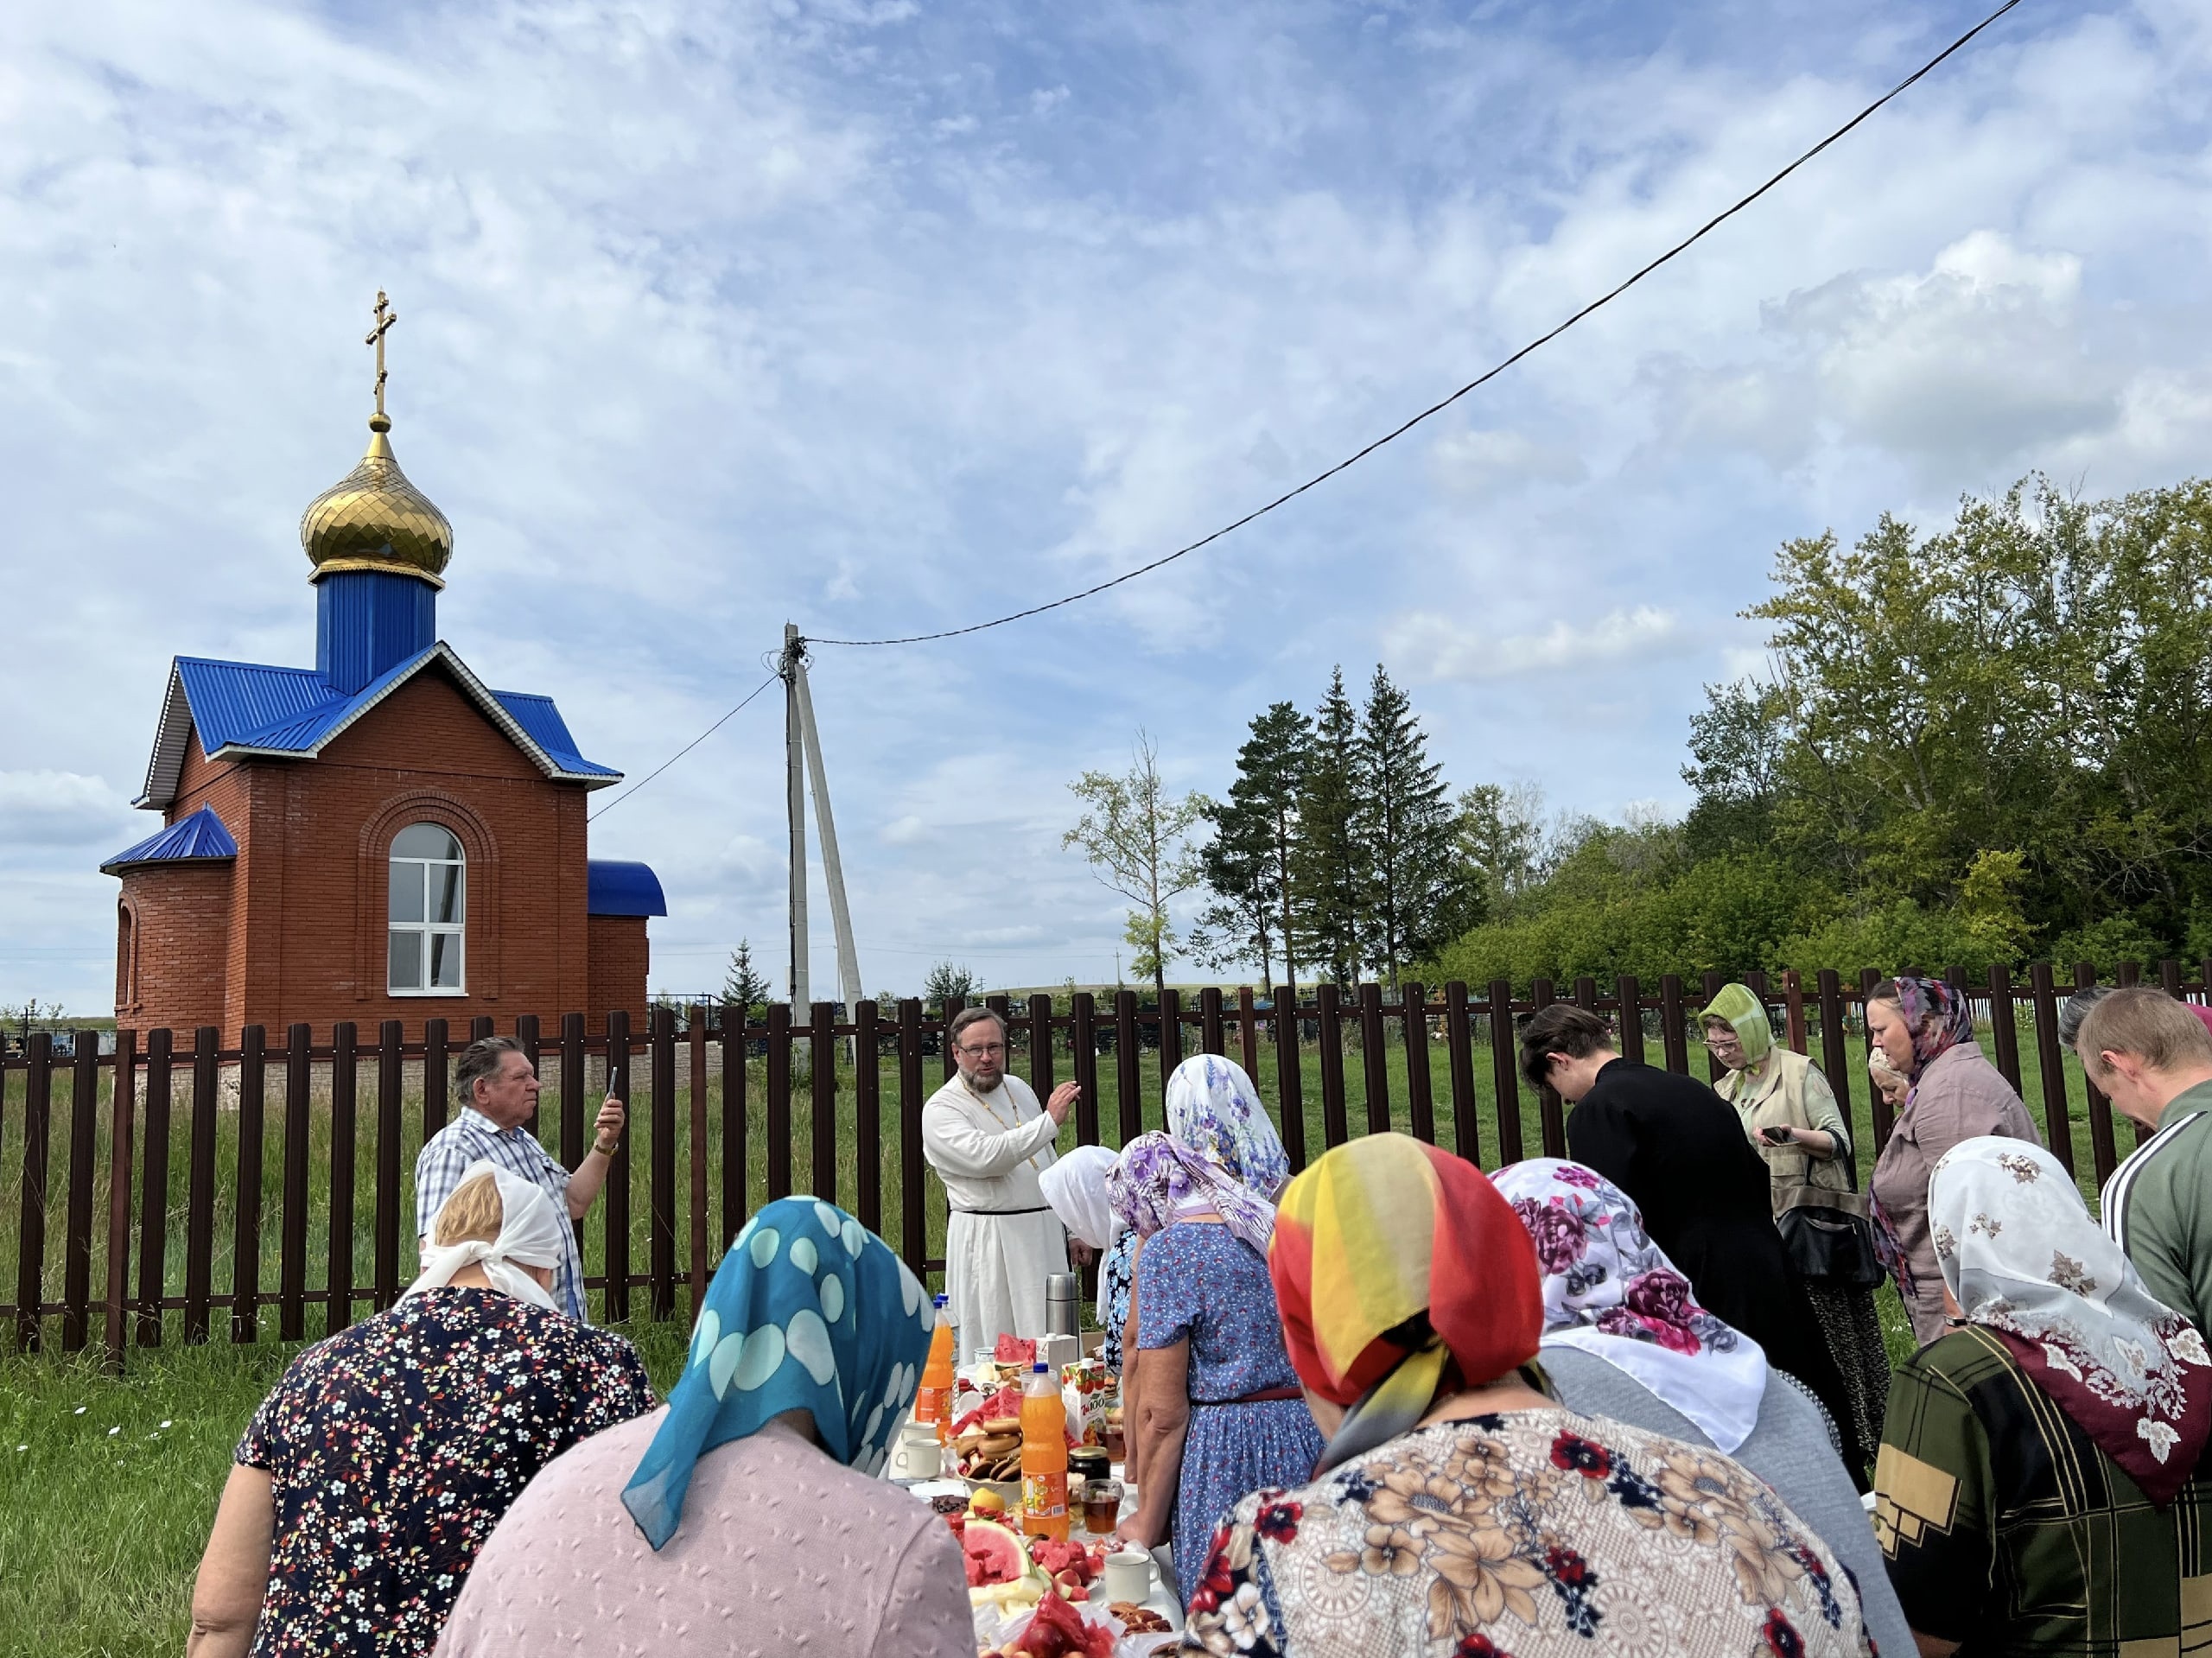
(614, 887)
(244, 708)
(201, 836)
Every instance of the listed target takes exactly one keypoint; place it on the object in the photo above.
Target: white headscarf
(530, 1236)
(1075, 1187)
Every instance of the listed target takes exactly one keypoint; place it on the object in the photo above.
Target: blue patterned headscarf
(1213, 1108)
(809, 1311)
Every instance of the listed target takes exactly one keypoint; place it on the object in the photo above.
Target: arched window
(428, 905)
(126, 958)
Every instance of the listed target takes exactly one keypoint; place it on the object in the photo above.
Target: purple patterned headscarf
(1158, 1178)
(1611, 1292)
(1939, 1017)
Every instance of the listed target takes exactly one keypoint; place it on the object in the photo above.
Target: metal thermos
(1062, 1293)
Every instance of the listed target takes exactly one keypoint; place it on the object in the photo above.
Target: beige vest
(1775, 1097)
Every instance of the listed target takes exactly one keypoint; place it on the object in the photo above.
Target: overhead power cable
(682, 751)
(1488, 374)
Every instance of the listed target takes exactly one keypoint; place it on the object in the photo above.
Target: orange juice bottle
(933, 1399)
(1044, 1457)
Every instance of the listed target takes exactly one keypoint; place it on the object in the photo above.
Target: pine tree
(1248, 864)
(743, 987)
(1419, 892)
(1325, 862)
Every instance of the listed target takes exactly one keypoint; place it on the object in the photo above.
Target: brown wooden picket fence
(172, 1121)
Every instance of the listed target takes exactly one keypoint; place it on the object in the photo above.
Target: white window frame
(400, 866)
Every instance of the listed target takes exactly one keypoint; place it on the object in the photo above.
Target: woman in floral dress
(371, 1475)
(1220, 1412)
(1459, 1511)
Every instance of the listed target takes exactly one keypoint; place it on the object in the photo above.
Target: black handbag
(1830, 1247)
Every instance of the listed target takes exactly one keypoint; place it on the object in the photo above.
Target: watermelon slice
(1059, 1630)
(994, 1554)
(1015, 1350)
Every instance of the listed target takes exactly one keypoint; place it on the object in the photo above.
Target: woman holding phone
(1790, 1114)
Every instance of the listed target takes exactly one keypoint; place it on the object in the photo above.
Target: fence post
(345, 1080)
(1630, 994)
(245, 1229)
(199, 1187)
(1335, 1130)
(822, 1070)
(951, 1008)
(1374, 1058)
(437, 1079)
(1459, 1050)
(389, 1035)
(2004, 1035)
(1835, 1057)
(1083, 1057)
(1673, 1024)
(868, 1113)
(1128, 1095)
(2102, 1147)
(292, 1223)
(779, 1099)
(660, 1177)
(1041, 1068)
(1551, 1113)
(2169, 978)
(77, 1240)
(2127, 975)
(1420, 1102)
(154, 1188)
(574, 1107)
(1212, 1035)
(1793, 1008)
(616, 1193)
(30, 1229)
(1290, 1076)
(1505, 1075)
(1171, 1037)
(913, 1223)
(122, 1122)
(737, 1151)
(2050, 1064)
(1248, 1031)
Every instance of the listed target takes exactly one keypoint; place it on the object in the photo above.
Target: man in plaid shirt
(497, 1087)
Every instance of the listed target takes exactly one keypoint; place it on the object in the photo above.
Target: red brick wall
(620, 959)
(181, 913)
(305, 938)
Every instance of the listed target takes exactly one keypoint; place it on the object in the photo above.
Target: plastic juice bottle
(933, 1398)
(1044, 1457)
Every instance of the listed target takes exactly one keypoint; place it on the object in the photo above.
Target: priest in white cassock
(988, 1139)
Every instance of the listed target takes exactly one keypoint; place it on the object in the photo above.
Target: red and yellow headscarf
(1374, 1235)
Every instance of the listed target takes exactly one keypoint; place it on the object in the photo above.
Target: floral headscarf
(1736, 1007)
(2023, 1259)
(1213, 1108)
(809, 1310)
(1159, 1178)
(1612, 1292)
(1387, 1242)
(1939, 1017)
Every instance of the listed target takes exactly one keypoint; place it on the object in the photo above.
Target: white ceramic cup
(1128, 1576)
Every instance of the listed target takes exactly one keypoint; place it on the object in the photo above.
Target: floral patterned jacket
(1522, 1535)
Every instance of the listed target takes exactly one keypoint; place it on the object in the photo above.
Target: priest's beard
(985, 1077)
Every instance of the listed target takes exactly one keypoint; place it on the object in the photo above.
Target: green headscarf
(1739, 1007)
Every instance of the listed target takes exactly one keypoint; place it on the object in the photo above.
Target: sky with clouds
(881, 317)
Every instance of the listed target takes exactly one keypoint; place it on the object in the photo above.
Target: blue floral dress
(1114, 1294)
(393, 1448)
(1203, 1282)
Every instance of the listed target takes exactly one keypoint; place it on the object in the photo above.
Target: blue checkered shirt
(472, 1136)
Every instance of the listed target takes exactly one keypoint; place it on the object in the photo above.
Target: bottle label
(1045, 1496)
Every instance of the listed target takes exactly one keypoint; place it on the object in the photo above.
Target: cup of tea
(1102, 1506)
(1128, 1576)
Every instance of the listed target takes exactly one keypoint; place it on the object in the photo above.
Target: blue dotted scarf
(809, 1310)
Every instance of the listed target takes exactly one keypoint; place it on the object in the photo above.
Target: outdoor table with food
(1054, 1584)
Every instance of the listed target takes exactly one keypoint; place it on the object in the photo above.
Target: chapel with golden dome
(382, 836)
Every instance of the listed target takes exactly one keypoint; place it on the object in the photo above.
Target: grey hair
(2075, 1008)
(967, 1016)
(480, 1061)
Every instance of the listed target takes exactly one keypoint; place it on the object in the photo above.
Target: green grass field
(101, 1530)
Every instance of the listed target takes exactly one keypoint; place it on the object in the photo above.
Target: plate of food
(990, 1453)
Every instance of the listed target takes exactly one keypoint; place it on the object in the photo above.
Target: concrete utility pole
(803, 743)
(795, 811)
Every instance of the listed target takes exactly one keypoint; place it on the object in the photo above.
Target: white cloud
(64, 809)
(1482, 462)
(1435, 647)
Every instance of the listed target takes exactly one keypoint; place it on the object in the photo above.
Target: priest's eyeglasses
(981, 1051)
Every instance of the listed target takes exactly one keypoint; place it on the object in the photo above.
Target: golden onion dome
(374, 519)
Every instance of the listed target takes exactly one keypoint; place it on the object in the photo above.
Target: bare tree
(1139, 841)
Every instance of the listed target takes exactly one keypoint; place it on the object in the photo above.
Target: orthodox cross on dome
(385, 317)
